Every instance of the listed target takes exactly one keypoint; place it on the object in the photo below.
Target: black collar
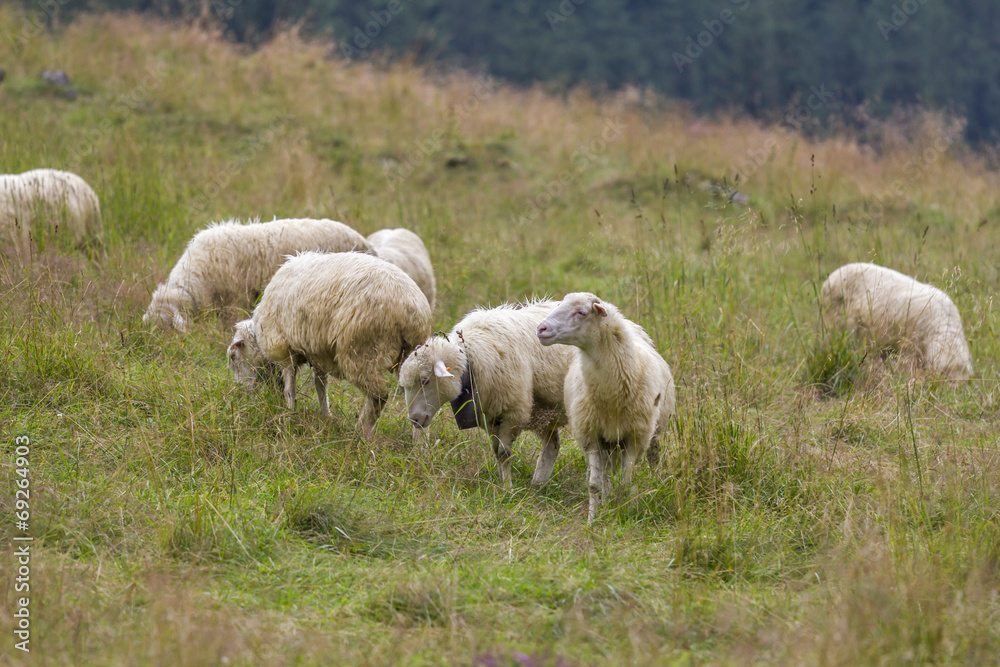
(466, 404)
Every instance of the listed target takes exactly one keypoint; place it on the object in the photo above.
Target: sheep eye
(424, 381)
(579, 313)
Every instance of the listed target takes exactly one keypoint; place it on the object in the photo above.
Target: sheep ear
(600, 309)
(441, 371)
(238, 343)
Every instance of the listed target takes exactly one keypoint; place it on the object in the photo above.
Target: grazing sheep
(349, 315)
(619, 390)
(493, 356)
(51, 196)
(895, 311)
(405, 249)
(229, 263)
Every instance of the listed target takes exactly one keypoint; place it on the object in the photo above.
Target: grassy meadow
(816, 504)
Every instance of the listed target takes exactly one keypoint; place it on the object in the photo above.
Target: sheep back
(515, 376)
(348, 314)
(405, 249)
(229, 263)
(893, 310)
(60, 196)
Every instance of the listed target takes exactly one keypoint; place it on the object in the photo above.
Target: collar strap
(465, 406)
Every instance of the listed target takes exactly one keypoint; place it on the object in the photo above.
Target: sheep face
(428, 381)
(166, 318)
(573, 320)
(163, 310)
(245, 360)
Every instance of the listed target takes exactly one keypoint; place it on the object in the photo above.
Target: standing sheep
(51, 196)
(229, 263)
(619, 390)
(405, 249)
(497, 376)
(895, 311)
(349, 315)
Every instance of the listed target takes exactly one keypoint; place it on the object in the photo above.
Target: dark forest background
(762, 57)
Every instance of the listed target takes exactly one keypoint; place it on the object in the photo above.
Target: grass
(815, 504)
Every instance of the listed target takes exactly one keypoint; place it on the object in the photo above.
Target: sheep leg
(628, 457)
(501, 440)
(288, 376)
(547, 457)
(319, 377)
(272, 374)
(653, 453)
(370, 413)
(595, 469)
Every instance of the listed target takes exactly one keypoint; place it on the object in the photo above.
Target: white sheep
(56, 197)
(229, 263)
(497, 376)
(619, 390)
(349, 315)
(405, 249)
(894, 311)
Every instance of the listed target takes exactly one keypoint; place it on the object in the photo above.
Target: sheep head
(164, 309)
(245, 359)
(574, 320)
(431, 376)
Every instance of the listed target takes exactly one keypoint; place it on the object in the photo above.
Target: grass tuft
(839, 365)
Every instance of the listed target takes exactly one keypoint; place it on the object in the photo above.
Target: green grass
(814, 504)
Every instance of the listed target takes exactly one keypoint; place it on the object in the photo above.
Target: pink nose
(541, 330)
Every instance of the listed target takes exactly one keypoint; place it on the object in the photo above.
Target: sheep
(497, 376)
(405, 249)
(349, 315)
(229, 263)
(59, 196)
(619, 391)
(894, 311)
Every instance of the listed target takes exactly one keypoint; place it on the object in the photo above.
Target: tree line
(763, 57)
